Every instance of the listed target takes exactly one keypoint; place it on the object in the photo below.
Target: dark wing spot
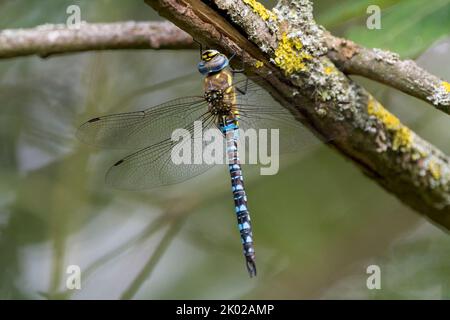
(118, 163)
(94, 120)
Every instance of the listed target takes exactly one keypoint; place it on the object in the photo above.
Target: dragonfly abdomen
(231, 130)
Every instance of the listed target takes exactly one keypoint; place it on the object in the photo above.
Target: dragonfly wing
(259, 110)
(133, 130)
(283, 135)
(159, 164)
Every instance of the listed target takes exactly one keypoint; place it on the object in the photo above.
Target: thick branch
(285, 51)
(54, 39)
(387, 67)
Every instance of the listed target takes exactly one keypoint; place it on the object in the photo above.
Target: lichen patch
(259, 9)
(386, 56)
(259, 64)
(441, 95)
(289, 55)
(435, 169)
(329, 69)
(401, 135)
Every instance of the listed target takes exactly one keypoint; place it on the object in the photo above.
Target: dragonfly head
(212, 61)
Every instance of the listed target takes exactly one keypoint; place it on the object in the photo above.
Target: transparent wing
(151, 131)
(260, 111)
(159, 164)
(134, 130)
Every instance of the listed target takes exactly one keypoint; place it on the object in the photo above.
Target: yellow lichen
(446, 85)
(328, 69)
(258, 64)
(424, 153)
(416, 156)
(289, 56)
(402, 136)
(390, 121)
(259, 9)
(435, 170)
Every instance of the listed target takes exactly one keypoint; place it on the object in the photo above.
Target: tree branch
(285, 50)
(349, 57)
(47, 40)
(387, 67)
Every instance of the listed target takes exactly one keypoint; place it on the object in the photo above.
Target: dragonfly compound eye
(212, 62)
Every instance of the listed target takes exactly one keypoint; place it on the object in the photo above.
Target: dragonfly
(227, 106)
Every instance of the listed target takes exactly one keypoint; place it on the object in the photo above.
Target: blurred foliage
(408, 27)
(318, 224)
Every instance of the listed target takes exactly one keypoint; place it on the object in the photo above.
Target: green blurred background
(318, 224)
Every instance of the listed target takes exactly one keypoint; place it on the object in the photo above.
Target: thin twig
(150, 265)
(50, 39)
(387, 67)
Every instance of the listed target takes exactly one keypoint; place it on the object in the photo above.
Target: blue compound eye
(212, 61)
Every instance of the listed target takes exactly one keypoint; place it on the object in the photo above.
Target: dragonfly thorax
(217, 102)
(214, 96)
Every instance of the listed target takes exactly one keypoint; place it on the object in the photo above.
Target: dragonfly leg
(200, 47)
(242, 69)
(243, 90)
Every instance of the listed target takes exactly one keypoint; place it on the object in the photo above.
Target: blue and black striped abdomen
(231, 130)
